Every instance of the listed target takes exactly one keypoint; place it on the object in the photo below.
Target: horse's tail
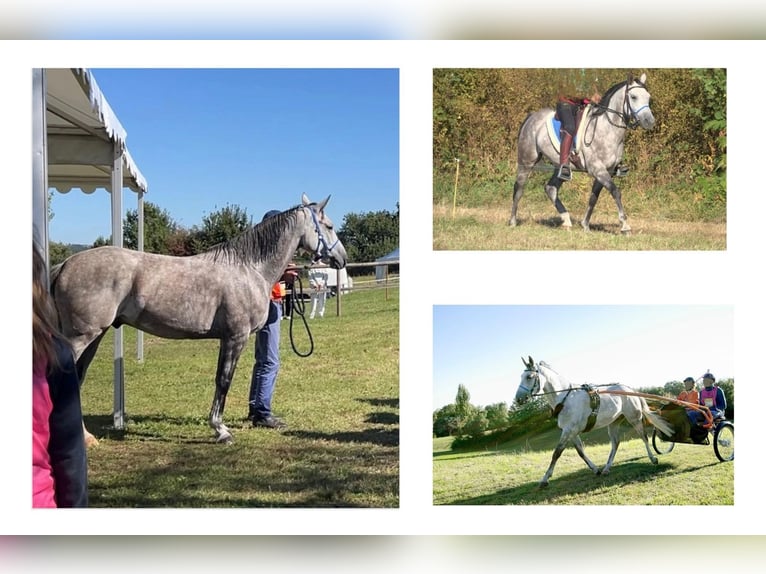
(54, 275)
(661, 423)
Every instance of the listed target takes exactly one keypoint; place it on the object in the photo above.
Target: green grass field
(660, 220)
(342, 406)
(689, 475)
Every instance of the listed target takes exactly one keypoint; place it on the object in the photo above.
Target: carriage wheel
(723, 441)
(661, 446)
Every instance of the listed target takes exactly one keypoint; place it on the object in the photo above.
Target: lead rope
(299, 307)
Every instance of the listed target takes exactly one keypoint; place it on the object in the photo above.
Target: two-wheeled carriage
(718, 431)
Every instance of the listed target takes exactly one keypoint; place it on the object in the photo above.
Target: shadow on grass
(187, 476)
(581, 482)
(541, 441)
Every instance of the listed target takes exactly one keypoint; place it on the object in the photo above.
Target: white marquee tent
(78, 142)
(381, 270)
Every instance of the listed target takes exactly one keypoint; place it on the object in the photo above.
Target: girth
(595, 403)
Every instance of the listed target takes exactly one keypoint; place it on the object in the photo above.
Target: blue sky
(207, 138)
(480, 346)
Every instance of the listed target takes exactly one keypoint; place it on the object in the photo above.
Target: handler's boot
(565, 172)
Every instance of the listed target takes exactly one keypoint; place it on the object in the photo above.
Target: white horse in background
(318, 277)
(579, 409)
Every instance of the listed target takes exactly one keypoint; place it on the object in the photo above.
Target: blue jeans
(266, 365)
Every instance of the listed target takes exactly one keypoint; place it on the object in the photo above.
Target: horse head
(320, 237)
(637, 99)
(530, 381)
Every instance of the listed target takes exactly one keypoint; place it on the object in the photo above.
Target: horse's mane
(606, 98)
(563, 380)
(256, 244)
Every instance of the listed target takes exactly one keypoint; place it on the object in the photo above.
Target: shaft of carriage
(708, 424)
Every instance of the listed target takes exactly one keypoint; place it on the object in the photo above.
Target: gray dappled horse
(222, 293)
(600, 146)
(579, 409)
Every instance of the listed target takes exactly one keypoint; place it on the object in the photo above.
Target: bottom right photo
(583, 405)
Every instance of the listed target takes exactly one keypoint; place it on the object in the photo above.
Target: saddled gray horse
(222, 293)
(580, 409)
(600, 146)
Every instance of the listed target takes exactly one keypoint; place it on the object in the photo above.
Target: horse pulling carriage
(582, 408)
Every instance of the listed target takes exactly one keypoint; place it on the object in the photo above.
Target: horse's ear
(643, 78)
(305, 199)
(321, 206)
(529, 365)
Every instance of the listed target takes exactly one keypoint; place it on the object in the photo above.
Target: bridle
(322, 242)
(535, 376)
(628, 115)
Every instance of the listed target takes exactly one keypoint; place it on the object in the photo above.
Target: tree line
(497, 423)
(366, 236)
(477, 114)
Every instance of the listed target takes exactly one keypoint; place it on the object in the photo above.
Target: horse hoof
(224, 438)
(543, 485)
(512, 222)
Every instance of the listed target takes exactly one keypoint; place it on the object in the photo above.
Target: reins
(299, 307)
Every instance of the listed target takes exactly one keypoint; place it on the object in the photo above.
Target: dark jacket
(67, 446)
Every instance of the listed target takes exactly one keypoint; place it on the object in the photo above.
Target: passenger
(713, 397)
(690, 395)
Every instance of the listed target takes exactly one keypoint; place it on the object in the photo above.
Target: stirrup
(565, 173)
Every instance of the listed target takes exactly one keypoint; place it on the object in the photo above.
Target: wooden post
(454, 193)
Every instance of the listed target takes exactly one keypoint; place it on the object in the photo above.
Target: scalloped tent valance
(82, 131)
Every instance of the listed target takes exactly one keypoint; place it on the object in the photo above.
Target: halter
(322, 241)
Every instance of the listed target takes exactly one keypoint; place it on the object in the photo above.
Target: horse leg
(552, 191)
(639, 426)
(604, 180)
(84, 349)
(522, 176)
(228, 355)
(577, 442)
(566, 436)
(614, 437)
(594, 193)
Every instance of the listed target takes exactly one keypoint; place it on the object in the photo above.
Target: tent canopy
(381, 270)
(82, 131)
(393, 256)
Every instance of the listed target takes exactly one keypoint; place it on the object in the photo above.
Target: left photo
(215, 323)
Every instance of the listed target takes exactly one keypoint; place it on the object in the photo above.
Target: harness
(595, 403)
(593, 395)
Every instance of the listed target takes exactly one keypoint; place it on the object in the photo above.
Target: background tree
(497, 415)
(476, 424)
(220, 226)
(158, 228)
(58, 252)
(446, 421)
(101, 241)
(367, 236)
(673, 388)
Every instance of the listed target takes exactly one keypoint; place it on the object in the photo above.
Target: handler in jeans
(266, 366)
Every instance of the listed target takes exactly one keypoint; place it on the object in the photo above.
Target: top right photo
(579, 159)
